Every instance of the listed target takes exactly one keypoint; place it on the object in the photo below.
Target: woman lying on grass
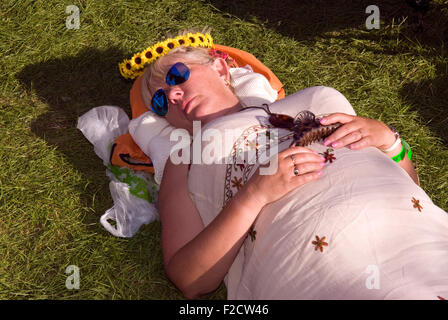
(338, 219)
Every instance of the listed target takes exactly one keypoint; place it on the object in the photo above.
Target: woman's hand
(358, 132)
(269, 188)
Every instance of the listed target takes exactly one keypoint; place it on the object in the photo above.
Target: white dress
(380, 242)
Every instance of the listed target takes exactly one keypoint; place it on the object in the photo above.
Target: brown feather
(309, 129)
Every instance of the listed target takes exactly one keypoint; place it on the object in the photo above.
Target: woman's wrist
(251, 195)
(394, 145)
(395, 151)
(398, 148)
(390, 138)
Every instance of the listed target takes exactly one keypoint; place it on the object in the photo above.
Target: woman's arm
(406, 164)
(196, 259)
(359, 132)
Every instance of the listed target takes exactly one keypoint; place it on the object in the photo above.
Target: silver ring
(296, 171)
(292, 159)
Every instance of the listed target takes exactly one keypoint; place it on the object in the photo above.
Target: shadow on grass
(309, 20)
(429, 97)
(71, 86)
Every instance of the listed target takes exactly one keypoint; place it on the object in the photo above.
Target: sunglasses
(305, 126)
(178, 74)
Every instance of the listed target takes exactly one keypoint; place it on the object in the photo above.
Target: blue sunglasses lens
(159, 103)
(178, 73)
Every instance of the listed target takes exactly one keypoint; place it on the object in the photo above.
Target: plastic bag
(129, 212)
(134, 193)
(101, 126)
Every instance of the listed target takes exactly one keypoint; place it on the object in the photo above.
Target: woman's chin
(197, 115)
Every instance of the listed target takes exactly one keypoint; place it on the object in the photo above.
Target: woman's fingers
(307, 159)
(302, 179)
(337, 117)
(294, 150)
(348, 133)
(300, 155)
(361, 143)
(300, 158)
(309, 167)
(349, 125)
(304, 166)
(345, 138)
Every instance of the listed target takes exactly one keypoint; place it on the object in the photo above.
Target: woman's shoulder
(238, 120)
(317, 99)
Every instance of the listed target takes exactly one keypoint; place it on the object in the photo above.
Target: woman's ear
(222, 68)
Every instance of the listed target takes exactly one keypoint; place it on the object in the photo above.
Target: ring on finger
(296, 171)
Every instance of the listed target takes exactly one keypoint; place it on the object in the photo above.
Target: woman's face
(204, 96)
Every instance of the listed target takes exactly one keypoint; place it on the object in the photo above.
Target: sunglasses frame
(176, 75)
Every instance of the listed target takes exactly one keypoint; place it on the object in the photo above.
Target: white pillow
(251, 88)
(152, 133)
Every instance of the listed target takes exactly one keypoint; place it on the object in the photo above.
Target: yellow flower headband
(132, 68)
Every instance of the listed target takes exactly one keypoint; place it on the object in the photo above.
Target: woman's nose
(175, 95)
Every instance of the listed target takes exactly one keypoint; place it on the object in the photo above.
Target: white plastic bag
(129, 212)
(134, 193)
(101, 126)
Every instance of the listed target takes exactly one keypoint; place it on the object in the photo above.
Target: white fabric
(379, 245)
(252, 89)
(152, 133)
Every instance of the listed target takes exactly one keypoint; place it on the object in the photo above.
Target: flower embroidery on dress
(237, 183)
(328, 155)
(319, 244)
(417, 204)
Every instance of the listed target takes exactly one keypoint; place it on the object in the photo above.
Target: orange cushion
(126, 153)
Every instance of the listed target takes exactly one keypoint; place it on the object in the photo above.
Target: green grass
(53, 187)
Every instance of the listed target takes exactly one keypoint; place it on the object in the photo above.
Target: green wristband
(402, 153)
